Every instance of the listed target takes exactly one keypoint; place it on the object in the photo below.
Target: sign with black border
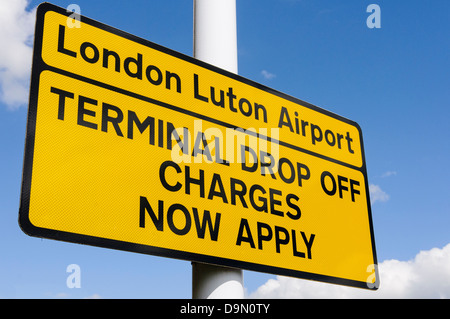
(136, 147)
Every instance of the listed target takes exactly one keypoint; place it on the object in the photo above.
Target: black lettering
(142, 126)
(148, 74)
(278, 240)
(263, 200)
(260, 107)
(291, 168)
(249, 106)
(172, 135)
(269, 165)
(273, 202)
(339, 138)
(349, 140)
(333, 140)
(340, 186)
(169, 76)
(243, 226)
(217, 147)
(62, 100)
(85, 57)
(295, 252)
(114, 120)
(82, 111)
(304, 125)
(196, 94)
(106, 54)
(183, 145)
(289, 199)
(352, 190)
(162, 176)
(297, 127)
(212, 190)
(137, 62)
(324, 187)
(206, 221)
(301, 176)
(308, 243)
(144, 206)
(61, 48)
(316, 138)
(239, 193)
(170, 222)
(231, 97)
(189, 180)
(221, 101)
(244, 167)
(161, 134)
(261, 236)
(281, 122)
(200, 138)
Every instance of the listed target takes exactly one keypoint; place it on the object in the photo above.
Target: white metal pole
(215, 42)
(215, 36)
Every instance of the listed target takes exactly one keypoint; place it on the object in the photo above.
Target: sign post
(215, 42)
(136, 147)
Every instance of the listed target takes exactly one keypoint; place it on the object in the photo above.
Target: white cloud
(62, 295)
(267, 75)
(16, 35)
(389, 174)
(377, 194)
(65, 295)
(426, 276)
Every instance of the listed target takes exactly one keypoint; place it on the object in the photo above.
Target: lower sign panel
(118, 170)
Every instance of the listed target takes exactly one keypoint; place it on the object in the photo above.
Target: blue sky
(393, 81)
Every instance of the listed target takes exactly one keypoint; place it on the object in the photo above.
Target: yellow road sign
(136, 147)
